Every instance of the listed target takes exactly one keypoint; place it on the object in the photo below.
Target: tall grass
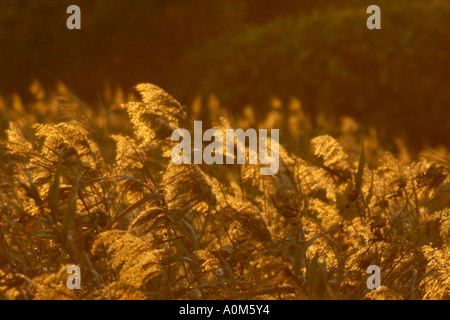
(99, 190)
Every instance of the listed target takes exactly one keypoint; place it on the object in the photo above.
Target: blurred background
(246, 53)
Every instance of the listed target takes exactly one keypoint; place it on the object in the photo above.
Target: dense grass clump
(99, 190)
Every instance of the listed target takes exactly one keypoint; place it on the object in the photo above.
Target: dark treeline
(244, 51)
(121, 42)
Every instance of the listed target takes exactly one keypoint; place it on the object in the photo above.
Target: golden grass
(95, 189)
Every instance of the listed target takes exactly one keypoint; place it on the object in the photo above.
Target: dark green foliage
(395, 78)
